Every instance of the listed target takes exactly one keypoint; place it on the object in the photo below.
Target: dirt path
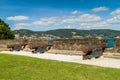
(104, 62)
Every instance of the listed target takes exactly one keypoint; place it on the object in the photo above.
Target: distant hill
(68, 33)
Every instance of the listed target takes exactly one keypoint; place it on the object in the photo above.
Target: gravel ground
(104, 62)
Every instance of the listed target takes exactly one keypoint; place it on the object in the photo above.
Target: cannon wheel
(16, 48)
(11, 49)
(39, 49)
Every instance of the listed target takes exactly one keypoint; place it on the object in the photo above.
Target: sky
(43, 15)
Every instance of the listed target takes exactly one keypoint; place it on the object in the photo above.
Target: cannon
(40, 47)
(93, 51)
(16, 47)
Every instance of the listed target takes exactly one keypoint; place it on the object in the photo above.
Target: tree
(5, 32)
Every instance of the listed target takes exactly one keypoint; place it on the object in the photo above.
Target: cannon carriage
(35, 46)
(16, 47)
(93, 51)
(90, 50)
(41, 48)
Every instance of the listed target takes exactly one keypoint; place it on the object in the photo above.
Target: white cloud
(101, 24)
(92, 25)
(47, 21)
(17, 18)
(114, 20)
(21, 25)
(76, 12)
(116, 12)
(99, 9)
(68, 19)
(53, 21)
(68, 27)
(88, 18)
(58, 21)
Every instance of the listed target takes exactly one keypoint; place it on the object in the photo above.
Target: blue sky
(42, 15)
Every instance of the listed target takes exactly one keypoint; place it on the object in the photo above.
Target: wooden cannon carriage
(40, 47)
(93, 51)
(35, 46)
(16, 47)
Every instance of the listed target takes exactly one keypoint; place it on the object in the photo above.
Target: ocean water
(110, 42)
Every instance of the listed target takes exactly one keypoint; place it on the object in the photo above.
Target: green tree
(5, 32)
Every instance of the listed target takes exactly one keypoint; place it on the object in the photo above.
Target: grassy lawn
(14, 67)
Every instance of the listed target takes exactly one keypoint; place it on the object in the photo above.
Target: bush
(5, 32)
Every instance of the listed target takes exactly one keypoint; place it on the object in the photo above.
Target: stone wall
(76, 44)
(117, 45)
(4, 43)
(66, 44)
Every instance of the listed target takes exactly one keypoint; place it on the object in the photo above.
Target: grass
(13, 67)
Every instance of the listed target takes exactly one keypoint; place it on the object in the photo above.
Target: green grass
(14, 67)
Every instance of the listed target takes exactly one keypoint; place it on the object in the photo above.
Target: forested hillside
(68, 33)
